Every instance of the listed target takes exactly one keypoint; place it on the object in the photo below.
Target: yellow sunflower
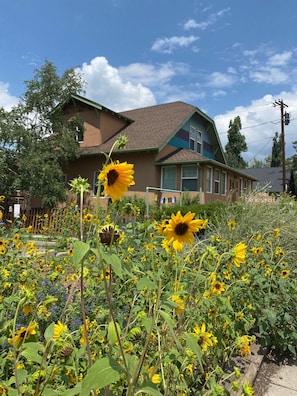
(205, 339)
(239, 254)
(22, 334)
(285, 273)
(180, 229)
(59, 330)
(116, 178)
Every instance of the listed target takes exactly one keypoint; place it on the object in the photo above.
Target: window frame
(195, 136)
(162, 177)
(192, 177)
(223, 183)
(217, 181)
(209, 180)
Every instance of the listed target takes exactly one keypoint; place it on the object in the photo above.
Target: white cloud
(218, 80)
(7, 101)
(211, 20)
(106, 86)
(168, 45)
(280, 59)
(269, 75)
(260, 120)
(151, 75)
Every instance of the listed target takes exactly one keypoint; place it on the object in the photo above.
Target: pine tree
(236, 145)
(276, 154)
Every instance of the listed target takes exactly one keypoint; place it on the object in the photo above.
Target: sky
(227, 57)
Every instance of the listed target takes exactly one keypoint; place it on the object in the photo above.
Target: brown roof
(182, 155)
(153, 126)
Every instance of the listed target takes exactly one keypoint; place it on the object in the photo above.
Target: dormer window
(195, 139)
(79, 134)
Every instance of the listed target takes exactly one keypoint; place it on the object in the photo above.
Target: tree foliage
(35, 142)
(236, 145)
(276, 154)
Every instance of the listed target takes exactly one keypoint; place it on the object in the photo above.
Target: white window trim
(224, 183)
(217, 182)
(162, 179)
(211, 178)
(189, 177)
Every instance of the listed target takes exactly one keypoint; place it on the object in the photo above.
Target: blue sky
(227, 57)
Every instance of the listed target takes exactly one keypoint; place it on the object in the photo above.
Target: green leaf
(31, 350)
(192, 344)
(145, 283)
(149, 389)
(103, 372)
(49, 332)
(114, 261)
(80, 249)
(112, 330)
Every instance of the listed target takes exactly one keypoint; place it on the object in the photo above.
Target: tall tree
(35, 143)
(276, 154)
(236, 145)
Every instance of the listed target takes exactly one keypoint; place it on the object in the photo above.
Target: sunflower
(180, 304)
(285, 273)
(239, 254)
(231, 225)
(2, 198)
(59, 330)
(116, 178)
(22, 334)
(205, 339)
(180, 229)
(217, 288)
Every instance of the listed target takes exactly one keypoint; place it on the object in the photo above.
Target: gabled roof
(155, 126)
(74, 98)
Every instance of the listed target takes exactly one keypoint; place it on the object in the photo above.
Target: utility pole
(285, 119)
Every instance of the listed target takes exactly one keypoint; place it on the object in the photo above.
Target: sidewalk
(276, 378)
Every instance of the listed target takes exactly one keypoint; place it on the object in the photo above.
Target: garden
(120, 304)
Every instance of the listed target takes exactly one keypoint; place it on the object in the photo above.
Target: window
(240, 186)
(195, 139)
(223, 183)
(217, 181)
(209, 179)
(169, 178)
(189, 178)
(79, 134)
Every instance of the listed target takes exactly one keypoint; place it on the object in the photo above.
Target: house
(269, 180)
(174, 147)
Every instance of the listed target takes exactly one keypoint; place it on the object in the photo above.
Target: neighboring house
(269, 180)
(173, 146)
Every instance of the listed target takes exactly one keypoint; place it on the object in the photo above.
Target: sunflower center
(181, 228)
(112, 176)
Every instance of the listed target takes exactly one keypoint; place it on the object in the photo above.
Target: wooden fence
(40, 221)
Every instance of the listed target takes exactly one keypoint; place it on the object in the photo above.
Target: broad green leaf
(31, 350)
(112, 330)
(147, 323)
(114, 261)
(192, 344)
(103, 372)
(80, 249)
(149, 389)
(49, 332)
(145, 283)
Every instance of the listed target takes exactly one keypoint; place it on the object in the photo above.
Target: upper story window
(195, 139)
(79, 134)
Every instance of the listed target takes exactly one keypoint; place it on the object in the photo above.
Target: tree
(35, 142)
(276, 154)
(236, 145)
